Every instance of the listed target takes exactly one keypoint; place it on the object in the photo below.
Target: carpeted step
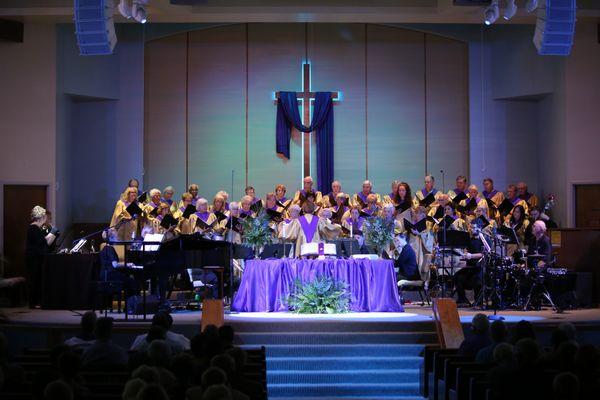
(267, 338)
(343, 350)
(341, 363)
(329, 390)
(392, 376)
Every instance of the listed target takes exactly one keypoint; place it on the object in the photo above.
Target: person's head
(88, 320)
(213, 376)
(481, 210)
(223, 194)
(234, 208)
(480, 324)
(535, 213)
(388, 211)
(310, 198)
(488, 184)
(249, 191)
(146, 373)
(461, 183)
(163, 319)
(372, 201)
(130, 194)
(326, 213)
(133, 183)
(152, 391)
(568, 329)
(400, 241)
(103, 328)
(527, 351)
(307, 183)
(193, 189)
(186, 199)
(163, 209)
(308, 207)
(443, 200)
(58, 390)
(503, 354)
(565, 386)
(511, 192)
(539, 229)
(224, 362)
(336, 187)
(183, 367)
(518, 213)
(473, 191)
(226, 334)
(160, 354)
(218, 203)
(522, 188)
(417, 213)
(367, 186)
(429, 183)
(132, 388)
(340, 199)
(217, 392)
(355, 213)
(271, 200)
(246, 202)
(523, 329)
(294, 211)
(239, 357)
(155, 195)
(156, 332)
(280, 191)
(394, 186)
(38, 215)
(202, 205)
(403, 191)
(498, 331)
(449, 209)
(168, 192)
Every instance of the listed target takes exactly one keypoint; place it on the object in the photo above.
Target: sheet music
(152, 237)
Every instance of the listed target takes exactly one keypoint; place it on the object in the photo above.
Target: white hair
(540, 224)
(247, 199)
(154, 192)
(201, 201)
(169, 189)
(222, 193)
(326, 213)
(37, 213)
(473, 187)
(367, 182)
(389, 206)
(340, 194)
(234, 205)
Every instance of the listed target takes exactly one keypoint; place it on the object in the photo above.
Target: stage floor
(413, 314)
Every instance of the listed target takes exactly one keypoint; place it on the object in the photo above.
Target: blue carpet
(342, 365)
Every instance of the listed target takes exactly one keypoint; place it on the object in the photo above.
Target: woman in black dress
(37, 246)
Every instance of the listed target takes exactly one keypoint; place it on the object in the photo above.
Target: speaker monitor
(94, 27)
(555, 27)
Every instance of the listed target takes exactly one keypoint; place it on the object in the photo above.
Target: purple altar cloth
(266, 284)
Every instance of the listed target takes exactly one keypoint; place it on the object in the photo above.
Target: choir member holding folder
(126, 214)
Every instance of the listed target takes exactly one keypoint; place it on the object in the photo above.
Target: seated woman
(457, 224)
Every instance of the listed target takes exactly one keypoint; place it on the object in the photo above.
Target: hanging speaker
(94, 27)
(555, 27)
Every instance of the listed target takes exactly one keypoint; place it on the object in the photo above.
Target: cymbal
(539, 256)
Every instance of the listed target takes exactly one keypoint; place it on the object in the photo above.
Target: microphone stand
(444, 281)
(231, 250)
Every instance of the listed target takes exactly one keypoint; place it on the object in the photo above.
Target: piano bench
(196, 276)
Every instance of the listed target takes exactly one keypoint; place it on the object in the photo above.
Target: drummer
(540, 248)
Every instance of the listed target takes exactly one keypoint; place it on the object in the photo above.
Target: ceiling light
(124, 9)
(138, 11)
(531, 5)
(510, 10)
(491, 13)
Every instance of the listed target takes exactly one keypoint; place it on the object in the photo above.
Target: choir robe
(520, 230)
(354, 226)
(480, 201)
(488, 230)
(148, 208)
(421, 194)
(422, 243)
(184, 227)
(300, 196)
(360, 199)
(128, 229)
(497, 198)
(389, 199)
(329, 200)
(339, 214)
(172, 205)
(459, 224)
(158, 229)
(286, 204)
(452, 193)
(517, 201)
(531, 200)
(307, 229)
(207, 217)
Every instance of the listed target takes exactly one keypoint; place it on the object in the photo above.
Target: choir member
(151, 209)
(360, 199)
(311, 198)
(518, 222)
(307, 228)
(512, 196)
(402, 198)
(233, 233)
(389, 198)
(458, 223)
(482, 221)
(330, 199)
(245, 209)
(529, 198)
(169, 233)
(428, 189)
(372, 208)
(202, 214)
(490, 193)
(340, 210)
(274, 211)
(461, 187)
(472, 196)
(536, 215)
(193, 189)
(256, 203)
(333, 230)
(225, 197)
(354, 225)
(36, 247)
(184, 225)
(421, 242)
(168, 194)
(307, 188)
(220, 212)
(282, 201)
(122, 221)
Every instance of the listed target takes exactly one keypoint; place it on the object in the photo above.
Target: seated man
(86, 337)
(405, 260)
(104, 351)
(109, 261)
(178, 343)
(479, 338)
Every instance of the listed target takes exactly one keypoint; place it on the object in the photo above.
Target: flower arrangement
(257, 232)
(379, 232)
(323, 295)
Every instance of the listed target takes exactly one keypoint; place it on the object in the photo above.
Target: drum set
(515, 281)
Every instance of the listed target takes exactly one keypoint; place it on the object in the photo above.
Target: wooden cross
(306, 98)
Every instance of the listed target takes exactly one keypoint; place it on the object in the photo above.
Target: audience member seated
(565, 386)
(237, 380)
(13, 375)
(159, 356)
(69, 365)
(146, 373)
(183, 367)
(498, 333)
(227, 364)
(104, 351)
(58, 390)
(132, 388)
(86, 337)
(479, 338)
(217, 392)
(177, 341)
(216, 376)
(226, 335)
(152, 391)
(523, 329)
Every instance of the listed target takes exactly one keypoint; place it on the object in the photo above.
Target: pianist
(109, 262)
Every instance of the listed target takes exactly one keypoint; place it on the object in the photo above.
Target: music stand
(346, 247)
(274, 250)
(451, 239)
